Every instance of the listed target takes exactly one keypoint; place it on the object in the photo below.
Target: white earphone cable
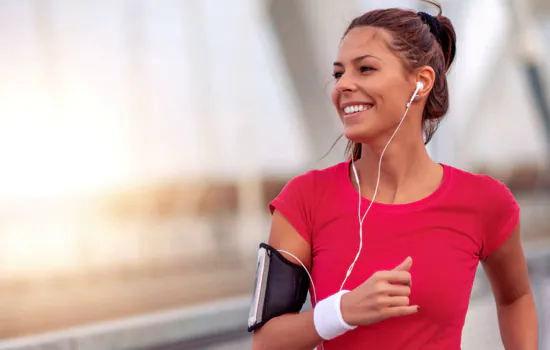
(362, 219)
(419, 86)
(310, 279)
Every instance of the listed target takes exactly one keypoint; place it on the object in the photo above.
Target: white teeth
(355, 109)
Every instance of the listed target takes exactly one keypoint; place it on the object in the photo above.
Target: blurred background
(141, 140)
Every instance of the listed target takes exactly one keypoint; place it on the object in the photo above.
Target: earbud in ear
(419, 86)
(415, 96)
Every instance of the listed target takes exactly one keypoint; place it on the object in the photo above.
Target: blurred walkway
(35, 307)
(32, 308)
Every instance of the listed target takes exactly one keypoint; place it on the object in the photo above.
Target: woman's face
(371, 87)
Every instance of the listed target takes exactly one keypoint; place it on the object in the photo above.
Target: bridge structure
(190, 288)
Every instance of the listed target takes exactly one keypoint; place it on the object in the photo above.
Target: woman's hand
(385, 294)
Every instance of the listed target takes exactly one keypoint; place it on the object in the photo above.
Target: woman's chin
(357, 135)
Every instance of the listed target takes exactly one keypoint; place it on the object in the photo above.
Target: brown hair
(413, 39)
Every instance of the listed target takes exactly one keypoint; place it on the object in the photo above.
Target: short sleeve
(294, 202)
(501, 216)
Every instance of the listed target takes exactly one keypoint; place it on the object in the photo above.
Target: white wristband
(327, 317)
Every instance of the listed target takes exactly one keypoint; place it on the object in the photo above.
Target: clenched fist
(385, 294)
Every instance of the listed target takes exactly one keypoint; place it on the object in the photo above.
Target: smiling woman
(410, 51)
(390, 93)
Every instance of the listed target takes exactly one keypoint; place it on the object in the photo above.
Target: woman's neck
(405, 163)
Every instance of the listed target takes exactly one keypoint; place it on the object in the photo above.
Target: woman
(398, 273)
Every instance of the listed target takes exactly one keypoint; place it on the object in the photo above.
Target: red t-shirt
(446, 234)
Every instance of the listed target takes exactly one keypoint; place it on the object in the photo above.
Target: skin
(408, 173)
(367, 72)
(517, 317)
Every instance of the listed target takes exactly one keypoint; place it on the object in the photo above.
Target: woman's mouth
(353, 110)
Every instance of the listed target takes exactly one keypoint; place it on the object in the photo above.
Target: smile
(356, 109)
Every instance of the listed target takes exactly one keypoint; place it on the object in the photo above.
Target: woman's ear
(425, 75)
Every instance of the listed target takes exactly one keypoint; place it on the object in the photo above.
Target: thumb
(405, 265)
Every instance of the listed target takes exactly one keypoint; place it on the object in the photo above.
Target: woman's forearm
(292, 331)
(518, 324)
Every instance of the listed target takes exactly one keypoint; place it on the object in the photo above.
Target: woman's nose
(345, 84)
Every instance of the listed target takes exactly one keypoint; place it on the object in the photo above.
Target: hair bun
(447, 39)
(442, 29)
(432, 22)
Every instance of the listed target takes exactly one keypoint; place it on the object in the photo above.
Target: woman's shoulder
(482, 187)
(299, 198)
(496, 204)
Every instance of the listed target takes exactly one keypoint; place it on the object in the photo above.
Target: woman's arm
(381, 296)
(506, 269)
(291, 331)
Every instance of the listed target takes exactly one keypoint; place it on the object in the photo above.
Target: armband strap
(281, 287)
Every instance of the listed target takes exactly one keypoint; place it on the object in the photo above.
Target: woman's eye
(337, 75)
(366, 69)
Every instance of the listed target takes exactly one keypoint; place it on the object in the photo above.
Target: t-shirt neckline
(421, 203)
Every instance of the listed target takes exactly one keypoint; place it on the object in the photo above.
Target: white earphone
(415, 96)
(419, 86)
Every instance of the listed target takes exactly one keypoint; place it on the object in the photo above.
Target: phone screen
(262, 268)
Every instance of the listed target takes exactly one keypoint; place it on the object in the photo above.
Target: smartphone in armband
(258, 298)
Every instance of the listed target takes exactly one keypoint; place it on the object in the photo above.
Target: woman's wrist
(347, 311)
(328, 319)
